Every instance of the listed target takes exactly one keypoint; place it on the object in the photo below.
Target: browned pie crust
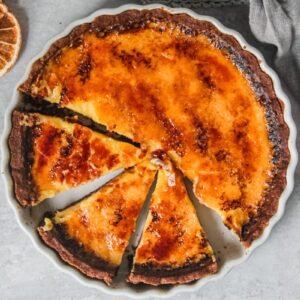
(72, 253)
(21, 159)
(191, 272)
(260, 82)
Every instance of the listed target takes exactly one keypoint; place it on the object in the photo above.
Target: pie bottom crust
(20, 144)
(209, 269)
(51, 240)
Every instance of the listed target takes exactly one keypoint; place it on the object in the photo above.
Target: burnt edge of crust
(20, 144)
(74, 254)
(147, 273)
(245, 61)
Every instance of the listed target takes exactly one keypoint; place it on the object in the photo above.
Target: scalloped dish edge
(227, 265)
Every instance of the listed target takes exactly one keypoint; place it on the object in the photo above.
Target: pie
(180, 90)
(174, 83)
(50, 155)
(173, 247)
(93, 234)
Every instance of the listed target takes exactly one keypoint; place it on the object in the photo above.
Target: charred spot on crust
(84, 68)
(201, 137)
(155, 216)
(76, 42)
(231, 204)
(186, 47)
(205, 77)
(67, 150)
(118, 216)
(248, 228)
(221, 155)
(132, 59)
(240, 131)
(204, 242)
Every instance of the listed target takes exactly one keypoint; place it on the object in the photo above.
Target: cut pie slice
(171, 82)
(173, 248)
(50, 155)
(93, 234)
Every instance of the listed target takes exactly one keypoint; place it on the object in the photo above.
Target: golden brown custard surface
(172, 236)
(68, 154)
(103, 222)
(170, 91)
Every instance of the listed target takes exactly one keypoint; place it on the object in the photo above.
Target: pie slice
(173, 248)
(177, 84)
(93, 234)
(50, 155)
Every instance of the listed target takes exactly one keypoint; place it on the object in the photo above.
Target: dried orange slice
(10, 39)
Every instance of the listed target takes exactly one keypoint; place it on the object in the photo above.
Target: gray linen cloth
(278, 22)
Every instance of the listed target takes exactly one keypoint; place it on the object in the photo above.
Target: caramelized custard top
(172, 236)
(103, 222)
(66, 154)
(168, 90)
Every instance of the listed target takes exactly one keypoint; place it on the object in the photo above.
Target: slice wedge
(173, 248)
(93, 234)
(50, 155)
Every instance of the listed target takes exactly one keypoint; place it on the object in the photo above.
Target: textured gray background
(272, 272)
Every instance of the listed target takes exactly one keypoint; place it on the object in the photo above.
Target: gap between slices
(224, 243)
(50, 155)
(44, 107)
(217, 117)
(92, 234)
(134, 239)
(173, 248)
(95, 233)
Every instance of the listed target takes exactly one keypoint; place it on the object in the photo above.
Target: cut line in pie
(51, 155)
(173, 248)
(183, 91)
(92, 235)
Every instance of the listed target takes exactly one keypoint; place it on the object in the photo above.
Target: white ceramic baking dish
(226, 245)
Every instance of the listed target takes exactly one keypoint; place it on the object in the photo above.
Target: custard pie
(181, 91)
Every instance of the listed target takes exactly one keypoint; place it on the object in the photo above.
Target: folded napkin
(278, 22)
